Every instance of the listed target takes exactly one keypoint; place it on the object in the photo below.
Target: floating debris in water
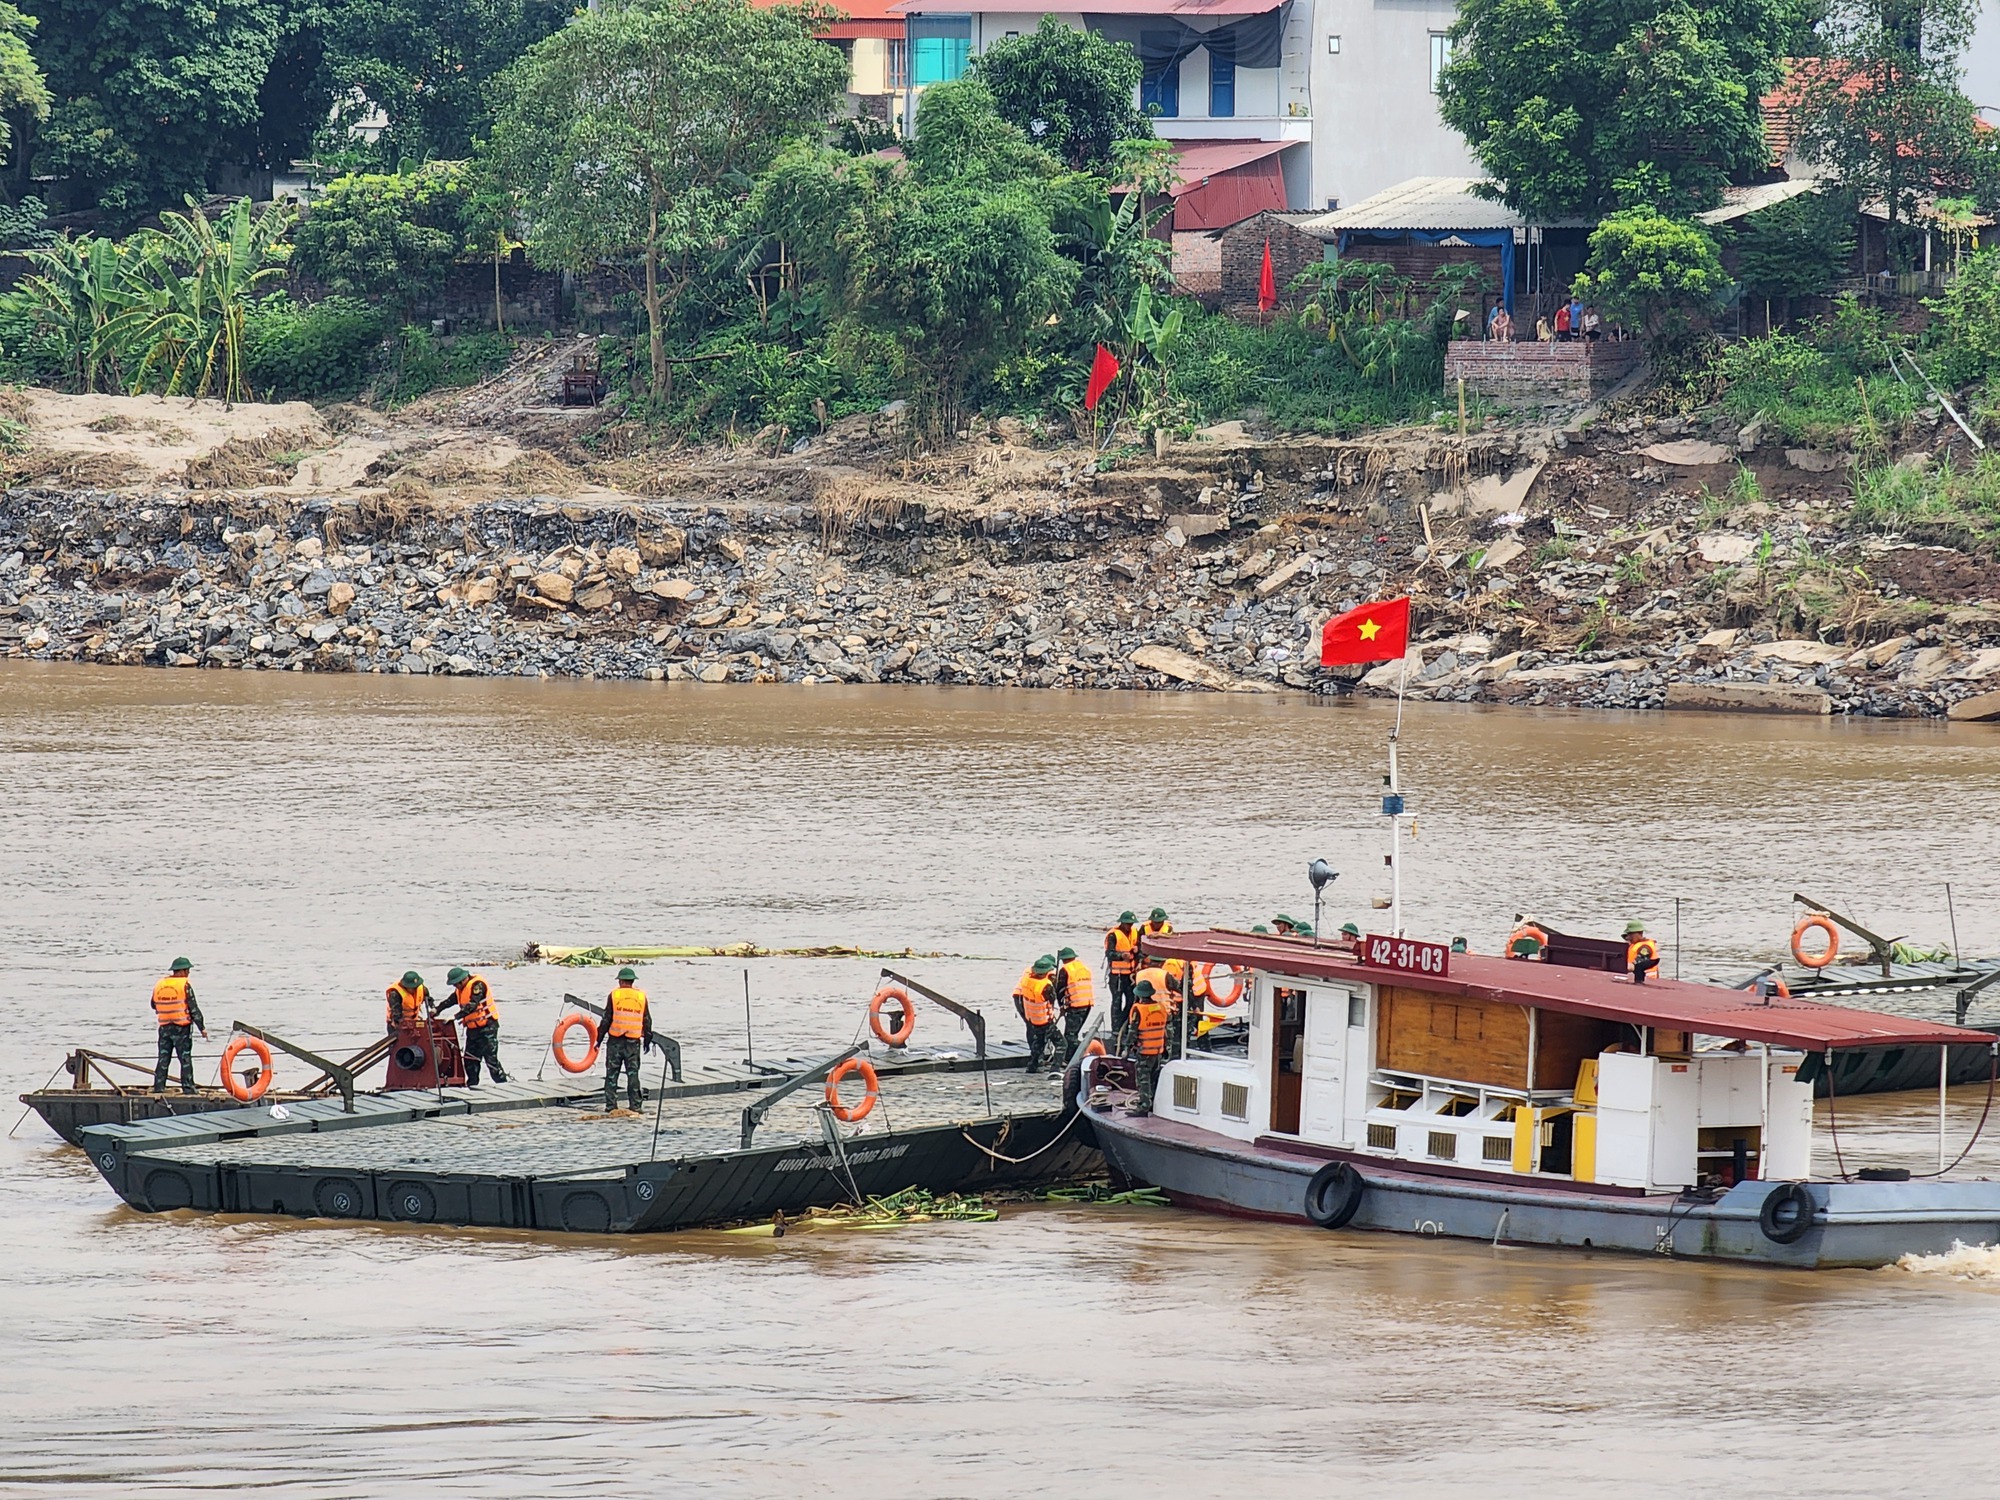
(911, 1206)
(587, 958)
(1097, 1192)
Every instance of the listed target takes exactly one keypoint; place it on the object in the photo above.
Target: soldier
(1076, 993)
(481, 1020)
(1034, 998)
(628, 1027)
(1146, 1028)
(409, 1003)
(1121, 962)
(179, 1018)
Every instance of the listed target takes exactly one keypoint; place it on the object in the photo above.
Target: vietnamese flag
(1103, 370)
(1374, 632)
(1267, 284)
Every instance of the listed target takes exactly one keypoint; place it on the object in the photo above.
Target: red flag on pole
(1267, 284)
(1374, 632)
(1103, 370)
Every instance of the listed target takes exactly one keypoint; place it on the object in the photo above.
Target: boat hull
(69, 1112)
(1856, 1224)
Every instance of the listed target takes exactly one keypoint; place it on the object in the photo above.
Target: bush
(1964, 335)
(308, 351)
(387, 236)
(1955, 507)
(1820, 388)
(1655, 274)
(1295, 374)
(422, 362)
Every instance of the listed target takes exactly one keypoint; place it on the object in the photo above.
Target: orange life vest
(1163, 990)
(1150, 1017)
(1156, 929)
(1121, 947)
(406, 1009)
(1176, 972)
(170, 1001)
(483, 1012)
(628, 1012)
(1640, 948)
(1081, 989)
(1036, 996)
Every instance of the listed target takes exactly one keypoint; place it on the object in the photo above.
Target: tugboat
(1391, 1084)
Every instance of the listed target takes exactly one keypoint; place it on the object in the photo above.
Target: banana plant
(191, 283)
(76, 290)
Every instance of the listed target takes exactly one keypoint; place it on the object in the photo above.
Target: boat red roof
(1666, 1004)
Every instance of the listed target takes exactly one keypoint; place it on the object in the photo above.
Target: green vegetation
(1585, 106)
(387, 236)
(634, 131)
(1820, 386)
(1657, 275)
(296, 351)
(1951, 506)
(1069, 91)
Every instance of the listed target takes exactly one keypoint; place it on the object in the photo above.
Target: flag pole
(1395, 806)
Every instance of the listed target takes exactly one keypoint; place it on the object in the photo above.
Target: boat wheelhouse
(1391, 1084)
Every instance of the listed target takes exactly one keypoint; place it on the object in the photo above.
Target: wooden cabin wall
(1563, 1041)
(1479, 1041)
(1485, 1041)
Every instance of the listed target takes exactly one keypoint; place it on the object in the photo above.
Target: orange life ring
(1095, 1049)
(1218, 998)
(1526, 930)
(901, 996)
(564, 1059)
(845, 1114)
(1825, 924)
(237, 1088)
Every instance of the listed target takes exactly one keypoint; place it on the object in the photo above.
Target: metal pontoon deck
(731, 1145)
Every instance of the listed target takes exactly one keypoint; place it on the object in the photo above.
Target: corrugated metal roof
(1668, 1004)
(1422, 203)
(1741, 202)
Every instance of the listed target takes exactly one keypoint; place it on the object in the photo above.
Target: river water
(305, 839)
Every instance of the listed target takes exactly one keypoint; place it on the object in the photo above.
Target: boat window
(1444, 1145)
(1357, 1011)
(1459, 1104)
(1187, 1091)
(1235, 1101)
(1382, 1137)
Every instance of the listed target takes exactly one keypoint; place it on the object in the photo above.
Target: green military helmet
(1302, 929)
(180, 966)
(412, 979)
(1632, 927)
(1348, 929)
(1045, 964)
(1066, 954)
(627, 974)
(1143, 990)
(1260, 927)
(1159, 914)
(1126, 918)
(457, 976)
(1282, 920)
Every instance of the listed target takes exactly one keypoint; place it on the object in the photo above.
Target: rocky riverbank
(1634, 568)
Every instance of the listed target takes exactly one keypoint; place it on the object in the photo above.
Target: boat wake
(1962, 1261)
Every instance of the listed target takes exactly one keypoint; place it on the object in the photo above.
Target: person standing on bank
(628, 1027)
(476, 1013)
(179, 1017)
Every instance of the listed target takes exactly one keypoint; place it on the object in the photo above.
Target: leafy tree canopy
(1798, 248)
(636, 129)
(387, 236)
(428, 65)
(1659, 275)
(1567, 102)
(1069, 91)
(147, 94)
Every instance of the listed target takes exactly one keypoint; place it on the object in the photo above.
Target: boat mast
(1392, 808)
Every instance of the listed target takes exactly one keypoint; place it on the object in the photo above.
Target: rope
(1992, 1073)
(1832, 1120)
(1016, 1161)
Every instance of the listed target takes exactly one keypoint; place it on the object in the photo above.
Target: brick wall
(1292, 250)
(1575, 371)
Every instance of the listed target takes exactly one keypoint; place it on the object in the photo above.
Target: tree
(1069, 91)
(148, 94)
(951, 258)
(1583, 106)
(388, 236)
(1659, 275)
(429, 64)
(637, 128)
(1881, 113)
(23, 89)
(190, 284)
(1798, 248)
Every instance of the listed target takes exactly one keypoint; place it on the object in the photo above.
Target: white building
(1301, 104)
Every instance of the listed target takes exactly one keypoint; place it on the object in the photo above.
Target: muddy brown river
(305, 839)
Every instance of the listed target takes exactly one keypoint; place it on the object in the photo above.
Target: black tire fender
(1334, 1195)
(1787, 1213)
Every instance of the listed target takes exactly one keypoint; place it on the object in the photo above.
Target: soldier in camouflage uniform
(179, 1017)
(1145, 1040)
(628, 1027)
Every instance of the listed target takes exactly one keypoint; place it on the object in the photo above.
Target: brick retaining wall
(1574, 371)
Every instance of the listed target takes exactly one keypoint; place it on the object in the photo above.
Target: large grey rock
(1748, 697)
